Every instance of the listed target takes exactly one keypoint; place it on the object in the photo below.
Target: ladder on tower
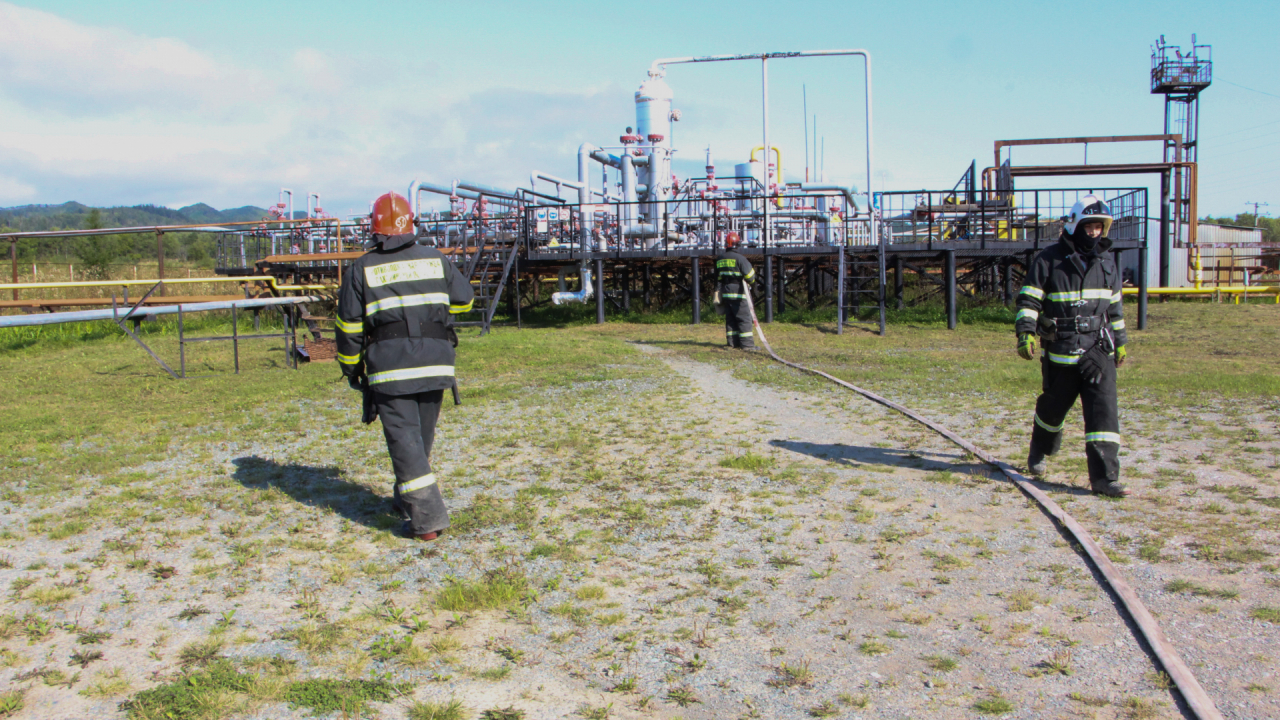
(488, 265)
(861, 289)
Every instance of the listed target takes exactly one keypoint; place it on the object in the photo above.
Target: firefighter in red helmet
(396, 343)
(734, 275)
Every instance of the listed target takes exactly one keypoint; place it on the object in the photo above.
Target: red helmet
(731, 241)
(392, 215)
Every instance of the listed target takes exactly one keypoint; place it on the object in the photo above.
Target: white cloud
(104, 116)
(53, 65)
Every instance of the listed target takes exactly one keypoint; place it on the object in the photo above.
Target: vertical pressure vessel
(653, 112)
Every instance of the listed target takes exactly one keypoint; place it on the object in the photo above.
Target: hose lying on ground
(1194, 695)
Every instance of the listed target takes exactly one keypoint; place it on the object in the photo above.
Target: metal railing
(992, 216)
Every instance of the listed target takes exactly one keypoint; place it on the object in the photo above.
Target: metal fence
(239, 252)
(993, 217)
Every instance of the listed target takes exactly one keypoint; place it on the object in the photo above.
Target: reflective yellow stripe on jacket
(406, 301)
(1073, 295)
(350, 328)
(411, 373)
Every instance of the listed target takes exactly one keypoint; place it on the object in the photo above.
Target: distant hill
(73, 215)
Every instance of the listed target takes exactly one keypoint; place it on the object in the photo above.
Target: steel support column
(898, 285)
(782, 284)
(695, 287)
(949, 282)
(1006, 277)
(840, 269)
(1142, 286)
(1166, 239)
(768, 284)
(600, 292)
(160, 258)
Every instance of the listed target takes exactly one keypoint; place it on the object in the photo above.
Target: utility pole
(1257, 205)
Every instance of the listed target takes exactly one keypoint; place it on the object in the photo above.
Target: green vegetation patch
(747, 461)
(487, 511)
(195, 694)
(498, 589)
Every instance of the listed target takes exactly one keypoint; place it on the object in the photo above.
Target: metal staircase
(862, 290)
(488, 266)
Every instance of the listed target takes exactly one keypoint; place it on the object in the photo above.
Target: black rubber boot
(1110, 489)
(1036, 464)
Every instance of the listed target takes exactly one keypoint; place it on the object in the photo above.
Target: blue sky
(225, 102)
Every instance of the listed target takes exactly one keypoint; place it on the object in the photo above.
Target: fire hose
(1194, 695)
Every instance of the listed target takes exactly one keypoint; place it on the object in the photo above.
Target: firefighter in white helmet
(396, 343)
(1072, 302)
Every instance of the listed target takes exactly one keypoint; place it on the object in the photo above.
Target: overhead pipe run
(416, 186)
(116, 313)
(847, 192)
(658, 69)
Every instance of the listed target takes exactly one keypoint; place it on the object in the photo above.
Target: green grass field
(216, 496)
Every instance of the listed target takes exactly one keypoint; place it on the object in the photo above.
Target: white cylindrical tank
(653, 111)
(753, 169)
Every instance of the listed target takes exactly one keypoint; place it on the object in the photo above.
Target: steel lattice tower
(1180, 78)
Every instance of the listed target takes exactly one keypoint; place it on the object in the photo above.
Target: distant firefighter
(396, 344)
(1072, 301)
(733, 276)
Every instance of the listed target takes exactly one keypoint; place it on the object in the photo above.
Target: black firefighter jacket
(1072, 299)
(734, 274)
(394, 313)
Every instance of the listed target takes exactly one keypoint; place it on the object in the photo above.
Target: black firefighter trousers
(409, 425)
(1062, 384)
(737, 324)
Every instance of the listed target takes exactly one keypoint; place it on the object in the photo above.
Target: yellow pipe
(777, 151)
(1225, 290)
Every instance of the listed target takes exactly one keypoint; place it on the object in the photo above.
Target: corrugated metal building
(1229, 255)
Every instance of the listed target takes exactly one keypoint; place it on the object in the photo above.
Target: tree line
(94, 254)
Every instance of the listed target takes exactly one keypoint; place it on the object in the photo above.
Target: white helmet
(1089, 208)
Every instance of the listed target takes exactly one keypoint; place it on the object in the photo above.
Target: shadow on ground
(319, 487)
(688, 343)
(855, 455)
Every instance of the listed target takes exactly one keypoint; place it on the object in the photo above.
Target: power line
(1233, 132)
(1257, 205)
(1260, 92)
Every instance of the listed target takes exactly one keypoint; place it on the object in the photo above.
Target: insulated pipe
(535, 176)
(628, 189)
(561, 298)
(117, 313)
(586, 219)
(847, 192)
(488, 190)
(614, 161)
(290, 192)
(416, 186)
(605, 158)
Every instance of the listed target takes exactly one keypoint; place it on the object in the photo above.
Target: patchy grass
(498, 589)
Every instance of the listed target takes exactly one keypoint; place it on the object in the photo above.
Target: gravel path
(699, 547)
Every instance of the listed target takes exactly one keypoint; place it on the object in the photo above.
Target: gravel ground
(700, 546)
